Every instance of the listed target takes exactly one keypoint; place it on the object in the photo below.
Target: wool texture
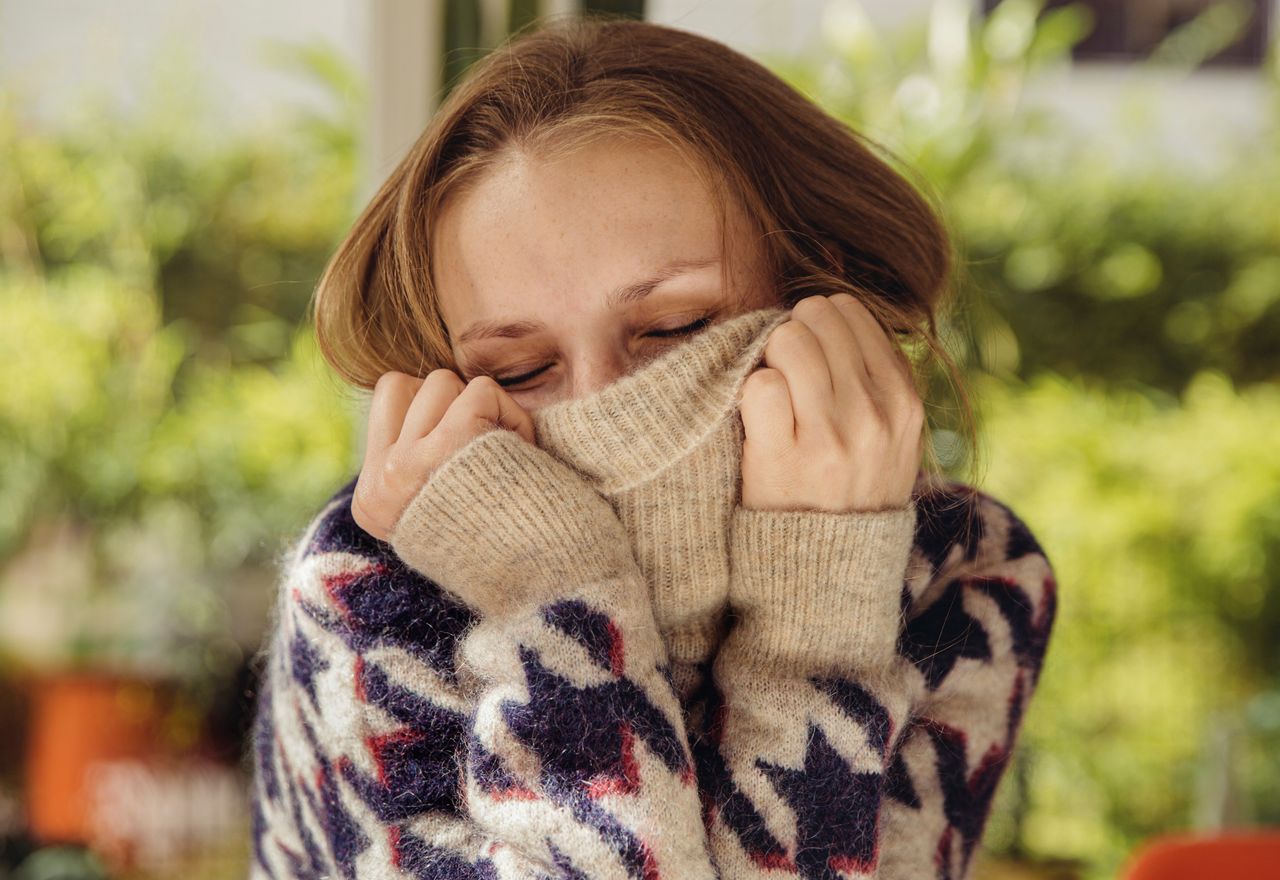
(585, 658)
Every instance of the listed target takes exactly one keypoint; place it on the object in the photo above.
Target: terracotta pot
(77, 720)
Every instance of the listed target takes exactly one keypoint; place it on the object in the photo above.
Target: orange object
(76, 721)
(1252, 854)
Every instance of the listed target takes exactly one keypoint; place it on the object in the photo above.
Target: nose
(598, 369)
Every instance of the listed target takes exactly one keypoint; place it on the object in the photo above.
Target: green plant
(155, 274)
(1075, 258)
(61, 863)
(1162, 519)
(136, 512)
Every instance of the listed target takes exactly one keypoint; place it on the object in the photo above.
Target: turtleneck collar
(632, 428)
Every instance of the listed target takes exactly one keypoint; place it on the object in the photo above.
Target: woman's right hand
(414, 426)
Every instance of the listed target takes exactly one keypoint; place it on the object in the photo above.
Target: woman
(641, 576)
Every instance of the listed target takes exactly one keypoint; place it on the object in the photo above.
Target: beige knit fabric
(663, 446)
(646, 473)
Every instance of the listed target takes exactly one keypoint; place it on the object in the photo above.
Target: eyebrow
(628, 293)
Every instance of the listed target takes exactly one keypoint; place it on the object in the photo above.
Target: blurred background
(174, 176)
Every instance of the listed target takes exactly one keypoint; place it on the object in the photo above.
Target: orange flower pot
(77, 720)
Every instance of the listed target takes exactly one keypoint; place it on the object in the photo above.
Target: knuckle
(483, 381)
(390, 380)
(813, 304)
(767, 376)
(361, 503)
(787, 333)
(762, 381)
(905, 403)
(915, 411)
(394, 468)
(443, 376)
(357, 512)
(857, 309)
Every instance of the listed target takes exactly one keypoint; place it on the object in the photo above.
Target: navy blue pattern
(721, 797)
(590, 628)
(305, 663)
(418, 763)
(422, 859)
(837, 810)
(600, 720)
(584, 737)
(858, 703)
(948, 517)
(942, 634)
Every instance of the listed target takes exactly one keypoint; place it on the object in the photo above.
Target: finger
(838, 336)
(484, 400)
(392, 395)
(793, 350)
(883, 363)
(438, 390)
(877, 352)
(768, 421)
(513, 416)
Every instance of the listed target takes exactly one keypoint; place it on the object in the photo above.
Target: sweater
(585, 659)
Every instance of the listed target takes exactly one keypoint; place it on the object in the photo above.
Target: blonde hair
(830, 213)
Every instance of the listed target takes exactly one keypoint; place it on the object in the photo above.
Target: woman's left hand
(833, 420)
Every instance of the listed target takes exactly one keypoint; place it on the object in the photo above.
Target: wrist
(821, 585)
(503, 523)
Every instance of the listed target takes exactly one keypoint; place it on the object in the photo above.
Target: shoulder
(333, 529)
(976, 561)
(332, 542)
(961, 528)
(354, 585)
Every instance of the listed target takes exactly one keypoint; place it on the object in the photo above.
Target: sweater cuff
(819, 587)
(505, 525)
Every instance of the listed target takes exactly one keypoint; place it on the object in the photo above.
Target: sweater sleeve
(576, 753)
(360, 721)
(865, 704)
(979, 610)
(807, 695)
(484, 695)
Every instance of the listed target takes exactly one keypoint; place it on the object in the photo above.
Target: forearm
(810, 694)
(355, 744)
(976, 636)
(576, 752)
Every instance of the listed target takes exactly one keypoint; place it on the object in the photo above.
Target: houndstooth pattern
(372, 759)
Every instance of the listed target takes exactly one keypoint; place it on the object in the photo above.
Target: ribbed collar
(632, 428)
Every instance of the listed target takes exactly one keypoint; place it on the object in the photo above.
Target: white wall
(1200, 119)
(58, 52)
(752, 26)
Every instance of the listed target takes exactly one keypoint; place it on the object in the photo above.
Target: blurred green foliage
(1134, 269)
(1162, 519)
(155, 277)
(1118, 323)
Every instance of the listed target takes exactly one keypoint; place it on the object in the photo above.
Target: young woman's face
(559, 277)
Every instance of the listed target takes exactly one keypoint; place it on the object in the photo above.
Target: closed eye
(667, 333)
(682, 331)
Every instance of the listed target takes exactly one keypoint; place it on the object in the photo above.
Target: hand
(414, 425)
(833, 420)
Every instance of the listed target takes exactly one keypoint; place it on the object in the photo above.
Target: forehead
(570, 225)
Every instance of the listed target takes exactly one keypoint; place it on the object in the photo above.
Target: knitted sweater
(585, 659)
